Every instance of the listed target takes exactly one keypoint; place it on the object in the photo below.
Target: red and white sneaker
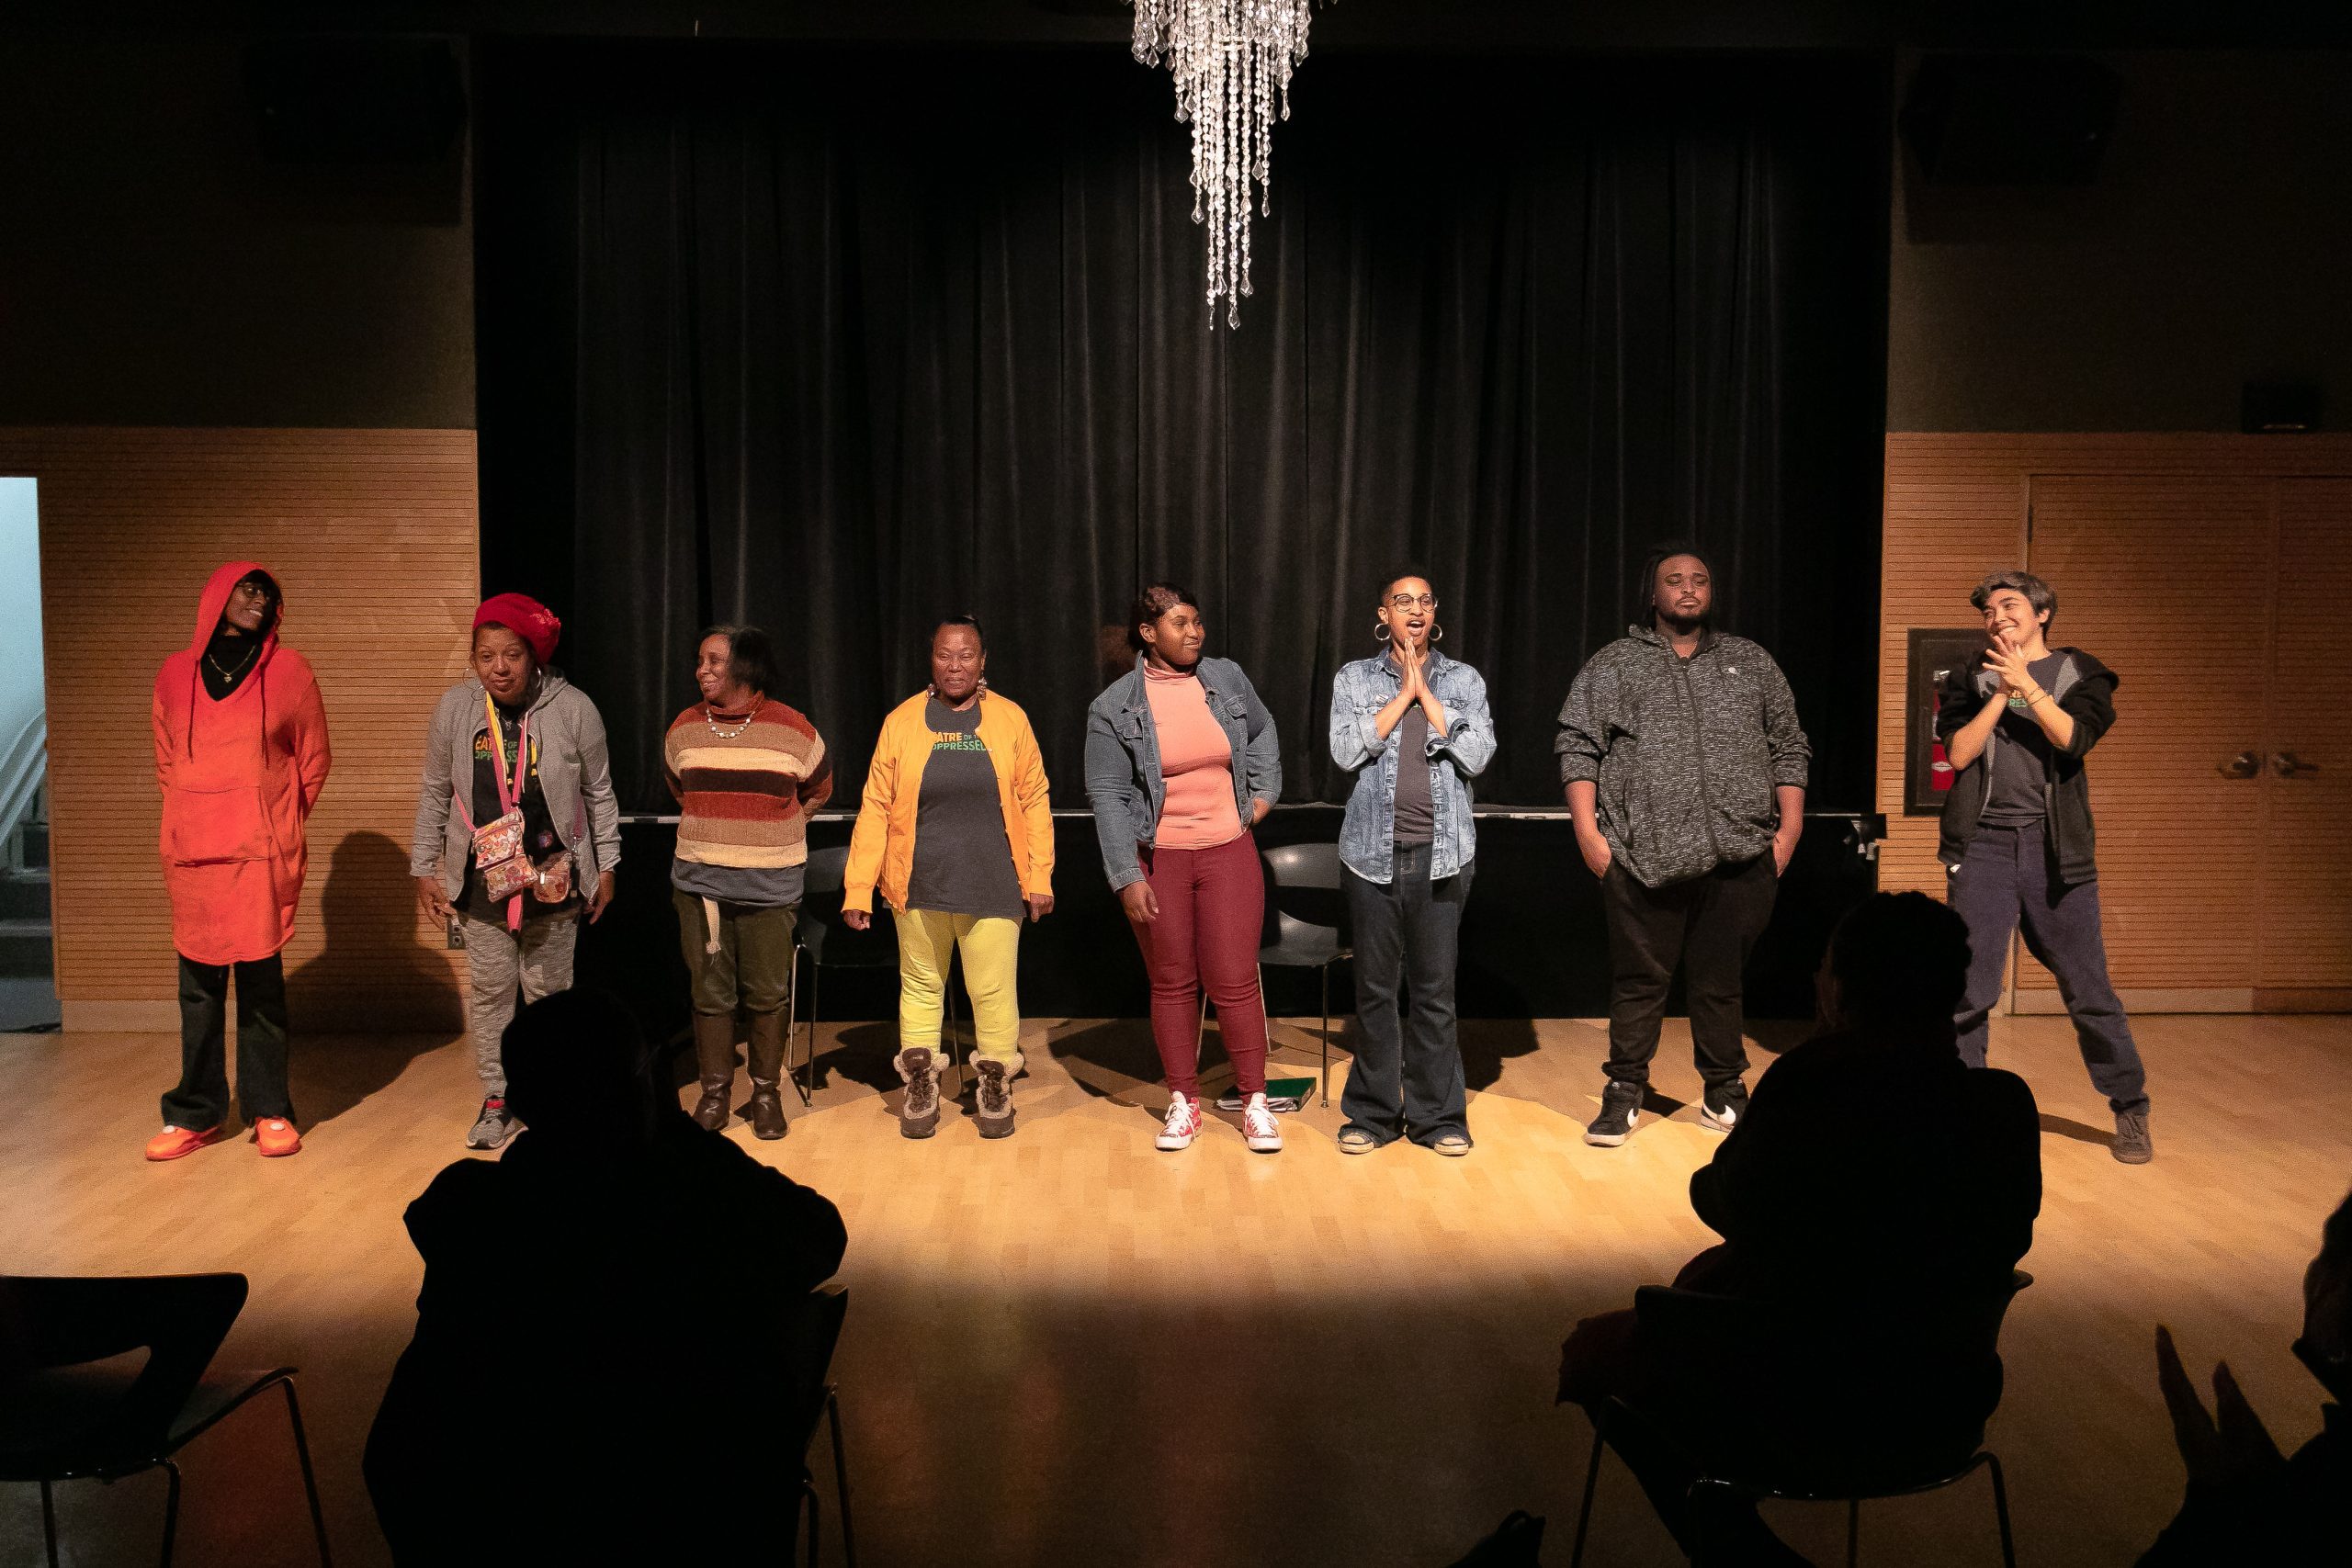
(1258, 1128)
(1183, 1123)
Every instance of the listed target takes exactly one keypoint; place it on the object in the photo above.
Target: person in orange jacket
(957, 835)
(241, 755)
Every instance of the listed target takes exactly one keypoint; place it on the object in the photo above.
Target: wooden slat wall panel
(373, 535)
(1957, 507)
(1952, 516)
(2170, 578)
(2307, 895)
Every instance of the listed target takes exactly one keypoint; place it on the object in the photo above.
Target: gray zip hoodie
(1684, 753)
(573, 772)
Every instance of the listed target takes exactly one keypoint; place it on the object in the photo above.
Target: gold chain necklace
(243, 664)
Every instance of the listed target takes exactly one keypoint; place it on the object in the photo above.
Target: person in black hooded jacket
(2016, 841)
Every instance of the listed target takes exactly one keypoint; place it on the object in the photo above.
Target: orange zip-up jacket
(882, 846)
(239, 777)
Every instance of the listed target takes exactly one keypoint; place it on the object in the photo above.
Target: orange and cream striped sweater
(745, 785)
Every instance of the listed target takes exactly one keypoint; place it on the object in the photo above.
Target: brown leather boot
(715, 1062)
(766, 1057)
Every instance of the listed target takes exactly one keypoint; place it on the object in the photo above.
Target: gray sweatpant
(497, 960)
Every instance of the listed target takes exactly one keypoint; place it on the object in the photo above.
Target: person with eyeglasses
(1685, 770)
(1413, 727)
(241, 755)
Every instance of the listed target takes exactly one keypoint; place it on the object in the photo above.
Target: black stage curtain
(838, 341)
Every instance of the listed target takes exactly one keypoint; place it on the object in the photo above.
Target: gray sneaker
(2133, 1143)
(494, 1126)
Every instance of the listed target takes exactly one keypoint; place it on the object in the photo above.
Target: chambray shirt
(1367, 833)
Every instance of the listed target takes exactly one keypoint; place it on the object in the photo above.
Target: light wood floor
(1067, 1347)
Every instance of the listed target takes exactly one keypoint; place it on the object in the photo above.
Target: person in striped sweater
(746, 771)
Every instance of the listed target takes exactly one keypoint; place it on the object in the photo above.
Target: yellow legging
(992, 948)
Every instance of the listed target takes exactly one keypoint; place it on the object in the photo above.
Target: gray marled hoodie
(1684, 752)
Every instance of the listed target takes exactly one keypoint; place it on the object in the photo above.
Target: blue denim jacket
(1123, 778)
(1368, 832)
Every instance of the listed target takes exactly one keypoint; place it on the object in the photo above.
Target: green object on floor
(1282, 1095)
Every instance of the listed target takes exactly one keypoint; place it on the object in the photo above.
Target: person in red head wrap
(517, 833)
(241, 755)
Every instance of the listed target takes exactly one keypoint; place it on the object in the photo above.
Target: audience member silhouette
(1875, 1185)
(560, 1395)
(2245, 1503)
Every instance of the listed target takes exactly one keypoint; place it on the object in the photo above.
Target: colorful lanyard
(510, 795)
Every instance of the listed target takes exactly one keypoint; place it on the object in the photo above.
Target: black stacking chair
(829, 945)
(1303, 885)
(811, 1337)
(1969, 1334)
(71, 1409)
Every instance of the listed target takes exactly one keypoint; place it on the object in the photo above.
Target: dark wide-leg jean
(200, 1101)
(1407, 1076)
(2004, 879)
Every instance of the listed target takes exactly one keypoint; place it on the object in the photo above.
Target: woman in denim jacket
(1412, 726)
(1181, 762)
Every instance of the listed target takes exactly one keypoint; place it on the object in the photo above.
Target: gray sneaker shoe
(2132, 1145)
(993, 1101)
(1620, 1107)
(494, 1126)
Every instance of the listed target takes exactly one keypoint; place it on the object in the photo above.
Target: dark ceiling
(1479, 25)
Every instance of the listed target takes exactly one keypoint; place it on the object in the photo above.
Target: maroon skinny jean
(1212, 903)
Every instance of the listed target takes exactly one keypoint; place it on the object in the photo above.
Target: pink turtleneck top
(1195, 764)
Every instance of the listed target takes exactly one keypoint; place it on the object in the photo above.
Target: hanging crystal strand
(1232, 61)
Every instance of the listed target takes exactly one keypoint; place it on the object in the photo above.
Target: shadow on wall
(372, 977)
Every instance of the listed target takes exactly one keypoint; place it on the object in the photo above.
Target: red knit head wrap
(527, 618)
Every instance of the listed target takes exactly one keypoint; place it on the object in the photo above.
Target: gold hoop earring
(1437, 634)
(1379, 632)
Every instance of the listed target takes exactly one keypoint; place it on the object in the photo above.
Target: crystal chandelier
(1232, 60)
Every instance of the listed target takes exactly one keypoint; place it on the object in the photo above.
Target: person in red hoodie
(241, 754)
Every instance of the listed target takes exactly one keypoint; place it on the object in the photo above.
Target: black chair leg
(841, 1475)
(48, 1522)
(809, 1496)
(171, 1510)
(2001, 1512)
(1325, 975)
(309, 1477)
(801, 1083)
(1853, 1531)
(1583, 1510)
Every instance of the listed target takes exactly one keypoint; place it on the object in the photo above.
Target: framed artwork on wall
(1935, 652)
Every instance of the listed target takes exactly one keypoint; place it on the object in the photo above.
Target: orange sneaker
(276, 1135)
(173, 1141)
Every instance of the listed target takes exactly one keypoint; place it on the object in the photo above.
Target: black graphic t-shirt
(2021, 759)
(963, 860)
(540, 840)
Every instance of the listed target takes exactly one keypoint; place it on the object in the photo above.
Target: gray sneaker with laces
(2132, 1145)
(493, 1127)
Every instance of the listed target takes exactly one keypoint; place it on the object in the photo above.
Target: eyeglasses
(1403, 602)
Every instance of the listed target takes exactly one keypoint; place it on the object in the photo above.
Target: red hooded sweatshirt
(239, 776)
